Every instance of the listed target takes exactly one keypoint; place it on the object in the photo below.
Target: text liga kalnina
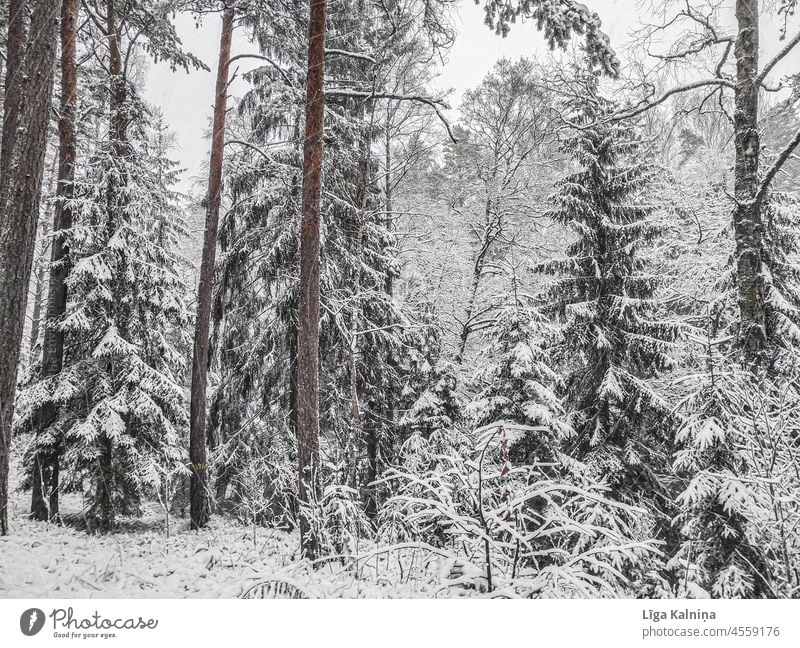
(679, 615)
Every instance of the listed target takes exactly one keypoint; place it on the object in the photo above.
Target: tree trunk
(490, 233)
(118, 90)
(36, 315)
(39, 510)
(115, 205)
(105, 485)
(748, 228)
(17, 39)
(53, 344)
(27, 101)
(308, 306)
(197, 416)
(41, 285)
(372, 437)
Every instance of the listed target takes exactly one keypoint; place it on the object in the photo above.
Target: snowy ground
(46, 560)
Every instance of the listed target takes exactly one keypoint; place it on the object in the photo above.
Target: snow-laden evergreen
(120, 400)
(782, 280)
(739, 502)
(362, 325)
(735, 444)
(616, 337)
(516, 383)
(559, 323)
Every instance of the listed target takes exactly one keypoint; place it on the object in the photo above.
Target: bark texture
(197, 420)
(27, 101)
(308, 307)
(747, 223)
(17, 39)
(118, 126)
(36, 315)
(492, 229)
(53, 343)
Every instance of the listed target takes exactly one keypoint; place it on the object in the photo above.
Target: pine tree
(53, 343)
(362, 327)
(197, 412)
(26, 109)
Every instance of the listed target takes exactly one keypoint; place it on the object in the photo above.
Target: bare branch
(776, 166)
(646, 104)
(777, 58)
(725, 54)
(436, 104)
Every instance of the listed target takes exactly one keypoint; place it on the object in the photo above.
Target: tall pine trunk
(27, 110)
(308, 306)
(748, 227)
(36, 314)
(197, 416)
(17, 39)
(53, 344)
(43, 229)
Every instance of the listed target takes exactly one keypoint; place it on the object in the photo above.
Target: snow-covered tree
(362, 325)
(516, 384)
(735, 442)
(616, 338)
(512, 528)
(120, 402)
(495, 176)
(739, 501)
(781, 213)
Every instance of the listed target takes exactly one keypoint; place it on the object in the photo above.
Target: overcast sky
(186, 99)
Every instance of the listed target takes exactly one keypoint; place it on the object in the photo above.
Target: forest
(539, 340)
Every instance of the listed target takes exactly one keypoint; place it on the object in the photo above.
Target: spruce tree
(721, 553)
(736, 440)
(616, 338)
(120, 401)
(516, 384)
(781, 212)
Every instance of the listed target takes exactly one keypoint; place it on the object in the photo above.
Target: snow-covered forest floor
(139, 560)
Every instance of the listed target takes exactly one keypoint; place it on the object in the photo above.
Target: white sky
(186, 99)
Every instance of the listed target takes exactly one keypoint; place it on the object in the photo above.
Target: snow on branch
(354, 55)
(436, 104)
(646, 104)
